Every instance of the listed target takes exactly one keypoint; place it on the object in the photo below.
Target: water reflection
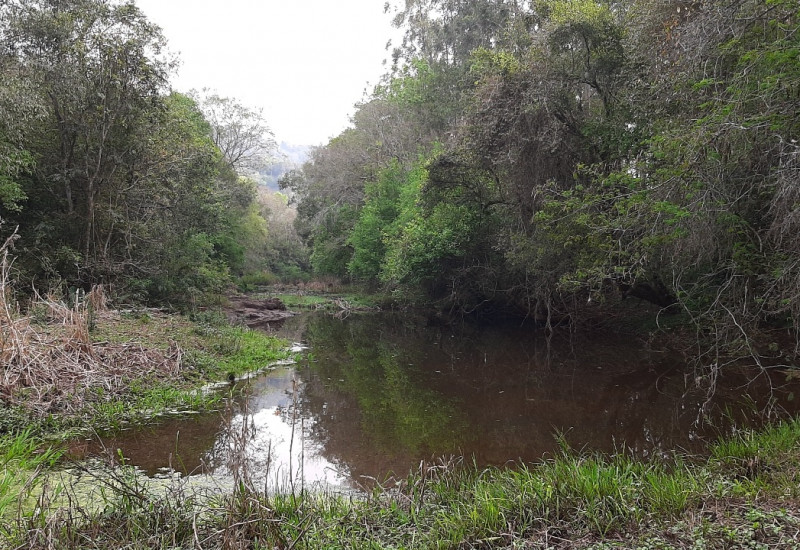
(261, 431)
(378, 393)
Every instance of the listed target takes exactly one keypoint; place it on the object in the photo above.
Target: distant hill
(290, 156)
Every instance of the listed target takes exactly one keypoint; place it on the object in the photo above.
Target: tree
(96, 66)
(240, 133)
(286, 254)
(591, 151)
(19, 107)
(446, 32)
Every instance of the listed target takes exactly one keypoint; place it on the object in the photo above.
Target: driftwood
(257, 313)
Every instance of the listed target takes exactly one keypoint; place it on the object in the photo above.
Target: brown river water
(374, 394)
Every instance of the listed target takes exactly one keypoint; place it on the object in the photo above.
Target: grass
(317, 298)
(21, 457)
(568, 501)
(216, 351)
(298, 301)
(184, 355)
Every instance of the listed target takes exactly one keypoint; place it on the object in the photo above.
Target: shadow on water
(377, 393)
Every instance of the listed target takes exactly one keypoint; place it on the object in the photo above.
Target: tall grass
(754, 460)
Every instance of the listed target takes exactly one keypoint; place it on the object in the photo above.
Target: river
(374, 394)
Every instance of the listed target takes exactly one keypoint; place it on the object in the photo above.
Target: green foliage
(330, 255)
(254, 279)
(422, 251)
(411, 86)
(11, 194)
(120, 182)
(594, 151)
(390, 204)
(12, 164)
(370, 232)
(193, 269)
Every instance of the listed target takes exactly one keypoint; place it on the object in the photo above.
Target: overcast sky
(305, 62)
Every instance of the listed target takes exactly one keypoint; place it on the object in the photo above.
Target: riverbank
(745, 495)
(83, 369)
(87, 368)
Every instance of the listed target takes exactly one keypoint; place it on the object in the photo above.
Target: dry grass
(55, 366)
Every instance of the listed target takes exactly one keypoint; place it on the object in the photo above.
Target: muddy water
(376, 393)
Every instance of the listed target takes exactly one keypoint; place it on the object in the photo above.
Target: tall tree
(241, 133)
(96, 65)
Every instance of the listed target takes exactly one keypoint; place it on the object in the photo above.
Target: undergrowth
(72, 363)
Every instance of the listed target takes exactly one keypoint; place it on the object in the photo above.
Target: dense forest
(109, 177)
(549, 159)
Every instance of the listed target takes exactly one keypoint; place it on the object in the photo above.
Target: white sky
(304, 62)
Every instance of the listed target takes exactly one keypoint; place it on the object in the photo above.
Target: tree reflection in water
(378, 393)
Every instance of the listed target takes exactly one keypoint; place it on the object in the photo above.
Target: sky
(304, 62)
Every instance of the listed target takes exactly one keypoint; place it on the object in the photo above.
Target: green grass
(148, 404)
(218, 351)
(571, 500)
(247, 350)
(756, 460)
(21, 455)
(333, 302)
(297, 301)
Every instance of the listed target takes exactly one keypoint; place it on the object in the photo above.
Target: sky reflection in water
(376, 394)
